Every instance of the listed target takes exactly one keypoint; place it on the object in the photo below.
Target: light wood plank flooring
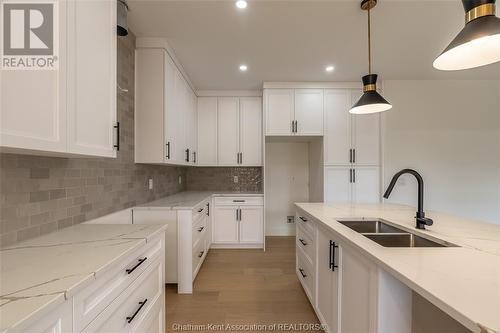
(244, 287)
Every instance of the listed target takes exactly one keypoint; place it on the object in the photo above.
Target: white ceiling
(293, 40)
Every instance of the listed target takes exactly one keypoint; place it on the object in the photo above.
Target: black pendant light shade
(478, 44)
(121, 18)
(371, 101)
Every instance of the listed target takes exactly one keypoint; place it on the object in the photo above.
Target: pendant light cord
(369, 43)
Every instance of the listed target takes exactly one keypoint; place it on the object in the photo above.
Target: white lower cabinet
(352, 184)
(58, 321)
(238, 222)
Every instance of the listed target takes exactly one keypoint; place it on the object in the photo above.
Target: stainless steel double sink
(387, 235)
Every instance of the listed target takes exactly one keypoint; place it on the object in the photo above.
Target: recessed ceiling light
(329, 68)
(241, 4)
(243, 68)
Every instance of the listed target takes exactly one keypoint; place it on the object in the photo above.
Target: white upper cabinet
(337, 127)
(251, 131)
(294, 112)
(279, 106)
(350, 139)
(207, 131)
(72, 109)
(309, 112)
(165, 111)
(228, 135)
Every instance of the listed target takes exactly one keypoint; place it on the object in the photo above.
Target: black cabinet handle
(302, 273)
(141, 304)
(208, 209)
(296, 126)
(187, 155)
(350, 155)
(350, 175)
(302, 241)
(237, 214)
(332, 265)
(354, 156)
(303, 219)
(168, 150)
(238, 200)
(201, 229)
(117, 127)
(353, 175)
(194, 157)
(201, 254)
(200, 210)
(141, 261)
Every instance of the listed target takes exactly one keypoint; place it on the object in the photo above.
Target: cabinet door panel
(228, 130)
(251, 225)
(357, 301)
(279, 108)
(309, 111)
(181, 104)
(225, 228)
(251, 131)
(207, 131)
(40, 121)
(337, 185)
(337, 127)
(366, 185)
(92, 77)
(172, 118)
(328, 284)
(366, 138)
(190, 125)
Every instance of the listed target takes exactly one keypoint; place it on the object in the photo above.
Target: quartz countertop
(463, 281)
(39, 274)
(190, 199)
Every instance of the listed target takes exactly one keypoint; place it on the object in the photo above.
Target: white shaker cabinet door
(225, 228)
(251, 225)
(309, 111)
(279, 111)
(60, 320)
(338, 185)
(228, 136)
(171, 117)
(366, 138)
(92, 77)
(337, 127)
(251, 131)
(207, 131)
(366, 182)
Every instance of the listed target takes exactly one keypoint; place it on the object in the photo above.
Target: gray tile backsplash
(222, 179)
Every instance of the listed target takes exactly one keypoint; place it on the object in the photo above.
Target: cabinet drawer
(239, 201)
(130, 309)
(200, 211)
(199, 253)
(306, 222)
(305, 272)
(199, 231)
(94, 299)
(305, 242)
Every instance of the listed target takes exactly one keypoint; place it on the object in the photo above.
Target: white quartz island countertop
(190, 199)
(463, 281)
(39, 274)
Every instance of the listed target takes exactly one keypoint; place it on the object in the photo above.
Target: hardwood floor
(238, 287)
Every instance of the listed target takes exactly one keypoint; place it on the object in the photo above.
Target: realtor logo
(29, 35)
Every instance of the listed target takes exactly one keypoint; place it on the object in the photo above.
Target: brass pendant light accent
(478, 44)
(371, 101)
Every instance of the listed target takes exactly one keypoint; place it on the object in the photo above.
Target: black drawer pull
(201, 254)
(332, 264)
(130, 270)
(303, 219)
(208, 209)
(200, 210)
(238, 200)
(201, 229)
(141, 304)
(303, 242)
(302, 273)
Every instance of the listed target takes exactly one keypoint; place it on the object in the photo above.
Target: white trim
(237, 246)
(155, 43)
(229, 93)
(312, 85)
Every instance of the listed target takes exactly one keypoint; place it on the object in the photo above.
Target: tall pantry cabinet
(165, 110)
(352, 150)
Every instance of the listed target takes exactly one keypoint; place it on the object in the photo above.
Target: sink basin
(403, 240)
(371, 226)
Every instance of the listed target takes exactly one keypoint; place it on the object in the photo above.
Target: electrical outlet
(235, 179)
(180, 179)
(150, 183)
(290, 219)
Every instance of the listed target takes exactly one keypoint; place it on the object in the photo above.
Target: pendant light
(478, 43)
(371, 101)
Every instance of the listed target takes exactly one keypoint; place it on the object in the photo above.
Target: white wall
(286, 182)
(449, 131)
